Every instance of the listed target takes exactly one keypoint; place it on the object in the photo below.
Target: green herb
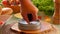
(45, 5)
(0, 1)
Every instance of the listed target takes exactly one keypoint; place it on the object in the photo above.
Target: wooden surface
(6, 28)
(56, 16)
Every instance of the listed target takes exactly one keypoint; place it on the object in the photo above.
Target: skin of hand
(28, 10)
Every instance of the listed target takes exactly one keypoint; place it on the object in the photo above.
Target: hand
(29, 11)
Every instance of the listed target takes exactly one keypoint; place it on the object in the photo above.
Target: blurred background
(46, 6)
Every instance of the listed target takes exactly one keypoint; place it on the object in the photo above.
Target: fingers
(35, 16)
(29, 11)
(25, 17)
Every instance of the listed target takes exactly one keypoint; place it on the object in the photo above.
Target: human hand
(29, 11)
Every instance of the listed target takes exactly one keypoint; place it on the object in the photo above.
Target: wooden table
(6, 28)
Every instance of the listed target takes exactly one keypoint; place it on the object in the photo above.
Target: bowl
(23, 25)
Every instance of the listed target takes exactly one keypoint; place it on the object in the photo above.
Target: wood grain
(6, 30)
